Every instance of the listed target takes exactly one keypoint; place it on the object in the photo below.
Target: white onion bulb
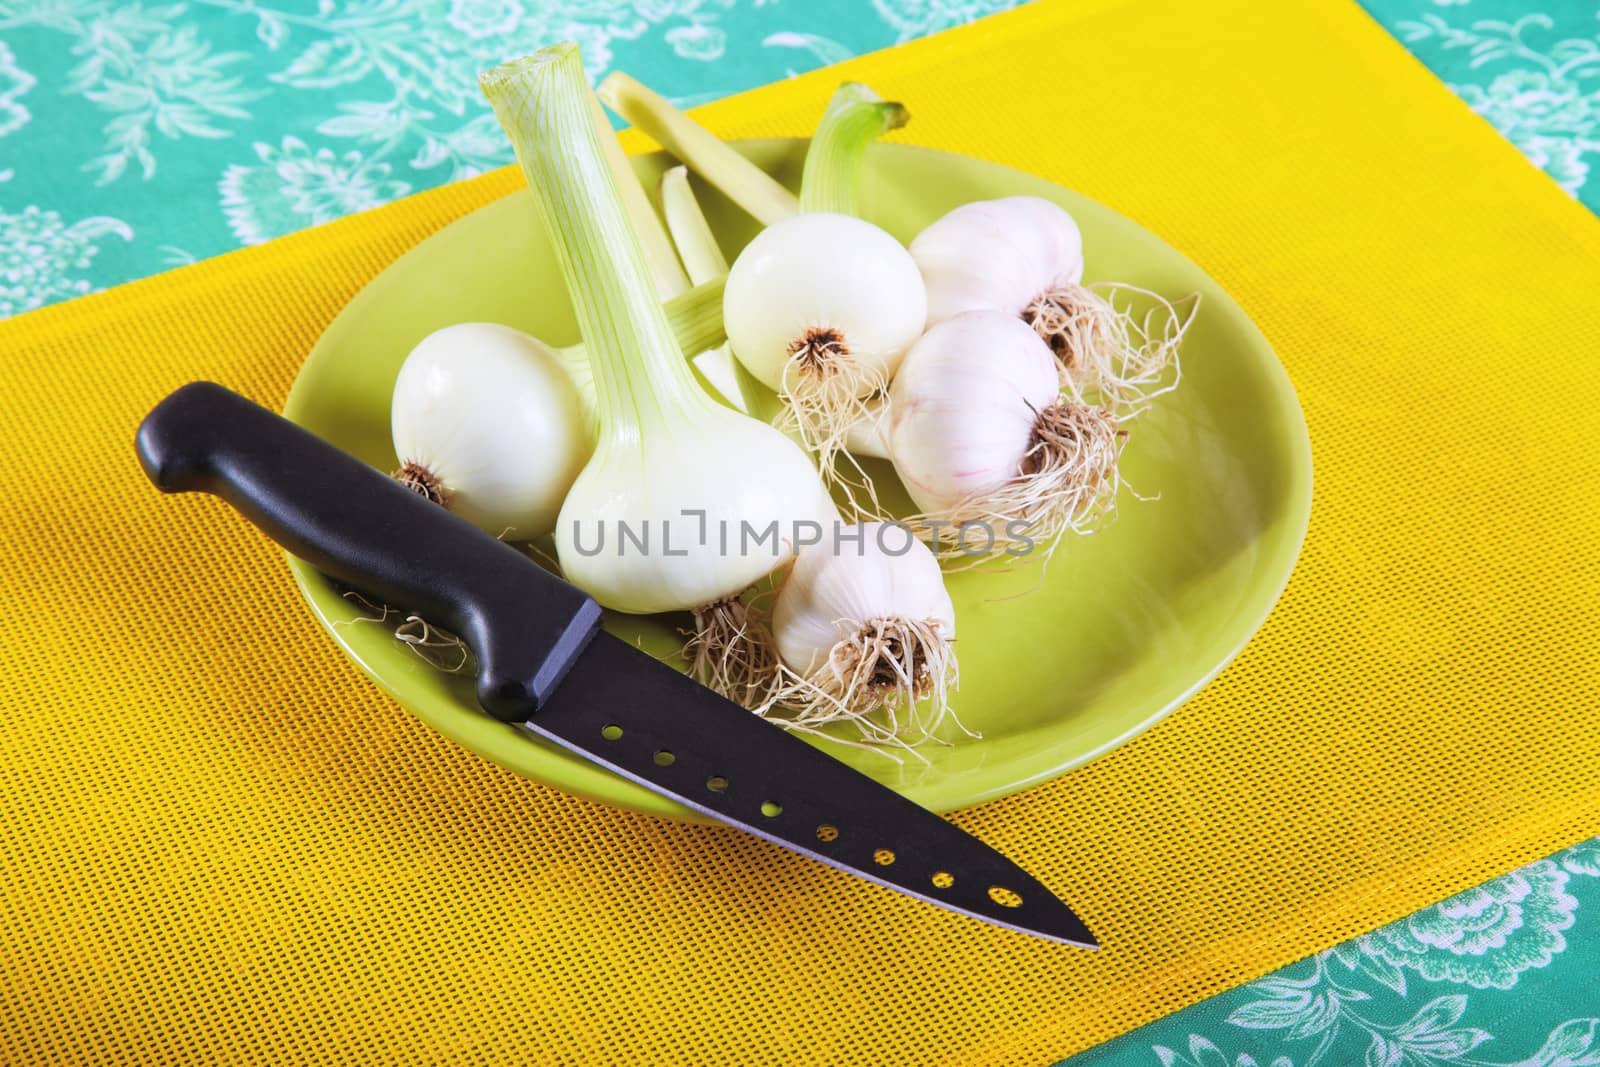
(693, 489)
(821, 308)
(486, 420)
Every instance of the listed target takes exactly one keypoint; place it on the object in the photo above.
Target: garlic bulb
(486, 420)
(997, 255)
(998, 461)
(1023, 256)
(862, 623)
(820, 308)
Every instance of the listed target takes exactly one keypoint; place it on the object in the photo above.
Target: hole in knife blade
(771, 810)
(944, 879)
(612, 732)
(664, 758)
(826, 833)
(717, 783)
(883, 857)
(1004, 897)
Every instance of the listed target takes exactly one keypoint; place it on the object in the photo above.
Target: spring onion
(821, 305)
(672, 469)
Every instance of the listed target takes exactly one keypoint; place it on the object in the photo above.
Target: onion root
(732, 652)
(420, 480)
(826, 392)
(437, 648)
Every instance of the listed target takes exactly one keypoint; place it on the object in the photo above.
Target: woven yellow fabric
(222, 845)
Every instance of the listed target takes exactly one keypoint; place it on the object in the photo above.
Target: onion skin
(823, 271)
(493, 416)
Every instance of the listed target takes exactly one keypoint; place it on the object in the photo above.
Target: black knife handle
(524, 625)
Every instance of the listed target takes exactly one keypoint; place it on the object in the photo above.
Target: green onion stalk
(685, 503)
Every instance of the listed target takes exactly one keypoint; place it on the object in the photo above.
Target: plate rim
(591, 782)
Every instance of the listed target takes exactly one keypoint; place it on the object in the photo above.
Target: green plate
(1057, 668)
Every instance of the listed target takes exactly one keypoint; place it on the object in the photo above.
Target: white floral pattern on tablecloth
(290, 186)
(14, 82)
(182, 129)
(1506, 974)
(44, 258)
(198, 125)
(1531, 69)
(1486, 936)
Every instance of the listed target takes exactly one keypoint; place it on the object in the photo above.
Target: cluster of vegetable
(975, 361)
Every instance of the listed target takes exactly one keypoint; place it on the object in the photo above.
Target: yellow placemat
(220, 844)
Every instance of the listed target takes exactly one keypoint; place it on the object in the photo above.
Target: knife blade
(545, 665)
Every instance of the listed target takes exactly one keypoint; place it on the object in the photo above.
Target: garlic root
(891, 678)
(1066, 482)
(1106, 354)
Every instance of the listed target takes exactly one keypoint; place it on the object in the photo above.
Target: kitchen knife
(545, 665)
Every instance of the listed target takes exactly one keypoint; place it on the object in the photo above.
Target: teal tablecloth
(1504, 975)
(138, 135)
